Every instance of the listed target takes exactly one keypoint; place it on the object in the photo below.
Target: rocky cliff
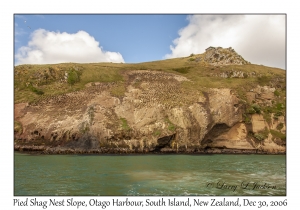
(154, 110)
(224, 56)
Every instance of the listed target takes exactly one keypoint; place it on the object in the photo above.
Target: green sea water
(163, 175)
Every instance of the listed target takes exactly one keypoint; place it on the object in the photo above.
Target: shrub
(250, 111)
(278, 113)
(73, 77)
(279, 106)
(279, 126)
(256, 107)
(261, 135)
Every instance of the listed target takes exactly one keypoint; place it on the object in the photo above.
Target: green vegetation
(125, 125)
(255, 108)
(277, 114)
(278, 134)
(261, 135)
(18, 129)
(171, 126)
(157, 132)
(276, 93)
(279, 126)
(36, 90)
(182, 70)
(263, 80)
(278, 109)
(267, 117)
(246, 119)
(73, 77)
(118, 91)
(56, 79)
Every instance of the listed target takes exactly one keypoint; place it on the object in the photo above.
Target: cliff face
(150, 111)
(154, 115)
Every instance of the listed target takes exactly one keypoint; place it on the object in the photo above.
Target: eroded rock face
(155, 114)
(224, 56)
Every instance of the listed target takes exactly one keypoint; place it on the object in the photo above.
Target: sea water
(159, 175)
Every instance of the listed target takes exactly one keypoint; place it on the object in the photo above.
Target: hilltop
(211, 102)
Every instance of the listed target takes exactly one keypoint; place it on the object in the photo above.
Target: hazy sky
(41, 39)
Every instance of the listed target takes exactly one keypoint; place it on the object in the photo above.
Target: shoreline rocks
(124, 151)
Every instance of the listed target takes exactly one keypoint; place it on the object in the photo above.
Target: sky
(53, 38)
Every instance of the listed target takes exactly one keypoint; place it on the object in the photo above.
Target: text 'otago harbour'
(142, 202)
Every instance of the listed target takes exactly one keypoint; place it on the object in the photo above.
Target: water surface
(92, 175)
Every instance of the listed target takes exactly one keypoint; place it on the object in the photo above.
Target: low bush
(256, 107)
(261, 135)
(73, 77)
(279, 126)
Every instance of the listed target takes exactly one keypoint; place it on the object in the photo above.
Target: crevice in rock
(164, 142)
(216, 131)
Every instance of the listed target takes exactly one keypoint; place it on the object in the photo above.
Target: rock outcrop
(155, 114)
(223, 56)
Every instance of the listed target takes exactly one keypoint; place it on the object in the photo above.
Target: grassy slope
(30, 79)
